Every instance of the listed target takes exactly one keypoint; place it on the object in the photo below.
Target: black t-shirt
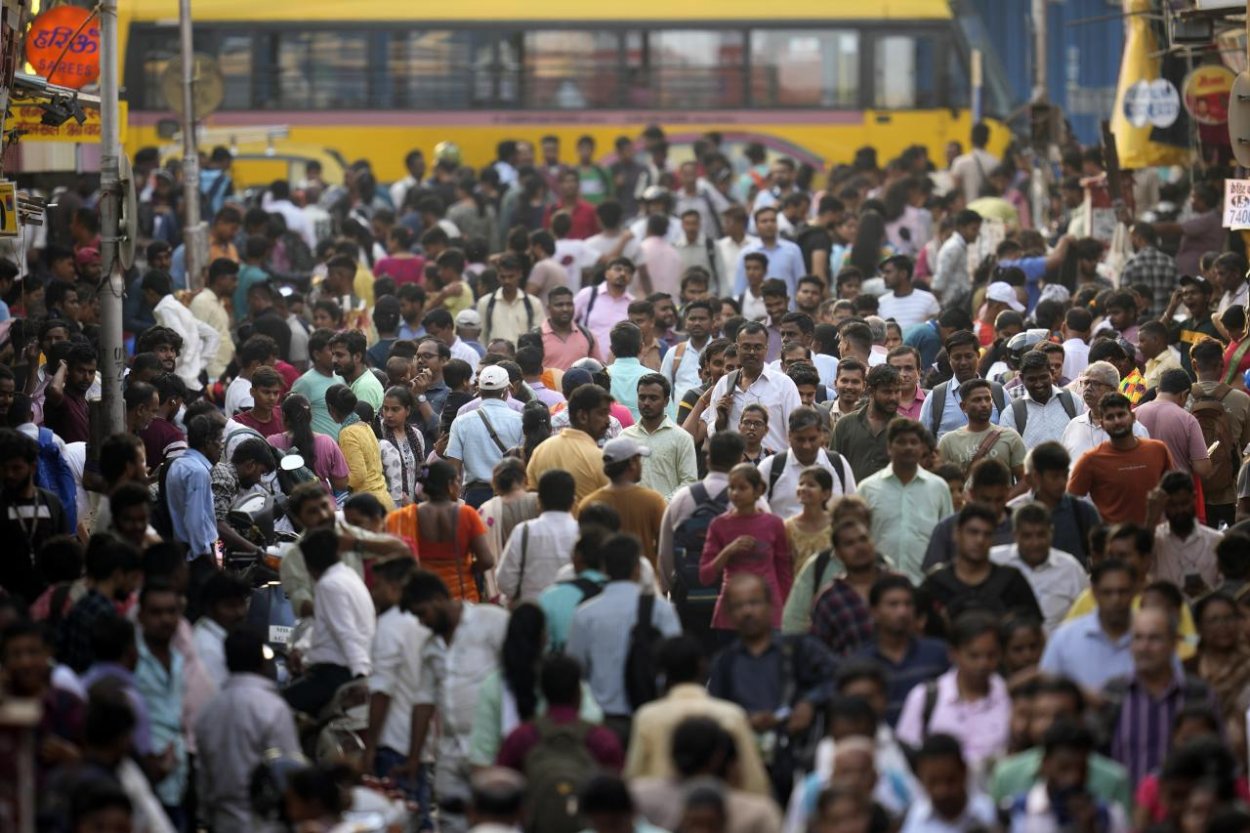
(1188, 333)
(25, 525)
(811, 239)
(1005, 590)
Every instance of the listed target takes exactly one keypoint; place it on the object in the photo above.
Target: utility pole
(1039, 50)
(195, 236)
(112, 351)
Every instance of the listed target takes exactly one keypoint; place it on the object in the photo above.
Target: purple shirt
(1177, 428)
(605, 314)
(329, 462)
(546, 395)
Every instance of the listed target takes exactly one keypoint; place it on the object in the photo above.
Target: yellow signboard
(8, 209)
(28, 120)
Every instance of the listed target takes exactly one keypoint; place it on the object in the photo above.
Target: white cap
(468, 318)
(492, 378)
(1004, 293)
(623, 448)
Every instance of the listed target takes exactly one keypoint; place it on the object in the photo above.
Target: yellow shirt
(1189, 632)
(575, 452)
(364, 462)
(362, 285)
(1160, 364)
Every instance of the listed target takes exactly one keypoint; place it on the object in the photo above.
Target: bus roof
(305, 11)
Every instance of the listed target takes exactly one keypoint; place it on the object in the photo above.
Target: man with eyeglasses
(751, 383)
(906, 360)
(1085, 430)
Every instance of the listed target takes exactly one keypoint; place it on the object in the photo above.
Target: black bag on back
(688, 541)
(640, 672)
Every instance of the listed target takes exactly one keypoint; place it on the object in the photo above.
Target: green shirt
(672, 463)
(797, 615)
(314, 385)
(249, 276)
(488, 734)
(1014, 776)
(961, 445)
(368, 389)
(854, 439)
(904, 514)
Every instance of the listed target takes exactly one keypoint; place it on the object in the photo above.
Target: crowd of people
(710, 497)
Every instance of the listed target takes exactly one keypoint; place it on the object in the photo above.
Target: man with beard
(29, 515)
(165, 343)
(680, 365)
(576, 448)
(348, 351)
(849, 384)
(672, 462)
(1119, 474)
(860, 437)
(565, 342)
(1184, 549)
(65, 402)
(940, 412)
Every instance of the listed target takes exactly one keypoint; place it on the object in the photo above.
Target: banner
(1149, 123)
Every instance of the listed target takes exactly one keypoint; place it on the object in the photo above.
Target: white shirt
(727, 252)
(979, 814)
(199, 340)
(753, 308)
(826, 366)
(574, 256)
(1239, 296)
(1075, 358)
(908, 310)
(397, 648)
(210, 644)
(784, 499)
(1056, 582)
(296, 220)
(674, 235)
(775, 391)
(238, 395)
(1082, 434)
(528, 567)
(1044, 422)
(462, 351)
(344, 621)
(686, 375)
(603, 243)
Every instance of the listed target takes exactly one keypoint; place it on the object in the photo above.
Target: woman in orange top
(450, 538)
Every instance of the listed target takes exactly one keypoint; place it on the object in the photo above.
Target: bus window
(322, 70)
(570, 69)
(234, 56)
(429, 69)
(906, 72)
(805, 68)
(694, 69)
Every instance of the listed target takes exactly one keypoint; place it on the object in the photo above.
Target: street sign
(8, 209)
(1239, 119)
(65, 41)
(28, 120)
(208, 88)
(1237, 203)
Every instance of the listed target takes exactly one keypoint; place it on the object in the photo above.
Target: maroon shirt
(600, 742)
(265, 429)
(157, 439)
(69, 418)
(585, 222)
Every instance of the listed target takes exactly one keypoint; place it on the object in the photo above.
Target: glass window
(804, 68)
(696, 69)
(234, 56)
(905, 72)
(322, 70)
(431, 69)
(158, 46)
(570, 70)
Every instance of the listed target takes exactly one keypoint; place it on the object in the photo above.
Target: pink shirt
(664, 265)
(770, 560)
(912, 411)
(1177, 428)
(401, 269)
(561, 352)
(330, 461)
(603, 316)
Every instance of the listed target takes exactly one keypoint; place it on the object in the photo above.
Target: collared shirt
(296, 581)
(863, 447)
(199, 339)
(1105, 780)
(785, 261)
(925, 660)
(952, 415)
(757, 682)
(775, 391)
(1083, 652)
(672, 463)
(234, 732)
(544, 394)
(575, 452)
(727, 252)
(210, 309)
(1044, 421)
(1153, 372)
(979, 814)
(685, 375)
(471, 441)
(562, 352)
(163, 689)
(189, 491)
(123, 676)
(210, 646)
(911, 309)
(1157, 271)
(534, 553)
(1082, 434)
(783, 497)
(313, 385)
(502, 318)
(1234, 297)
(982, 726)
(601, 316)
(461, 350)
(625, 373)
(599, 640)
(560, 600)
(826, 367)
(1142, 736)
(344, 621)
(904, 514)
(841, 619)
(1056, 582)
(397, 646)
(1176, 558)
(950, 279)
(912, 410)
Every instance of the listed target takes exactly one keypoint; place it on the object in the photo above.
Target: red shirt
(288, 373)
(265, 429)
(585, 223)
(402, 269)
(600, 742)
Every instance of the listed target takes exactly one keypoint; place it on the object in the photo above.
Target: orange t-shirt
(441, 557)
(1119, 481)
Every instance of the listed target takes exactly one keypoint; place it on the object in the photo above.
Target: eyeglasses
(752, 348)
(752, 423)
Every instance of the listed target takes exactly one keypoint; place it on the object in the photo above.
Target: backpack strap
(503, 449)
(822, 563)
(999, 396)
(525, 550)
(699, 493)
(679, 352)
(590, 305)
(1068, 403)
(776, 467)
(711, 255)
(939, 405)
(839, 468)
(1020, 410)
(930, 706)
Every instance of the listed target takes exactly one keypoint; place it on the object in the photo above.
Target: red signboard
(66, 33)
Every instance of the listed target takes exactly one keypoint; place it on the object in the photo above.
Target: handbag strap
(481, 412)
(1235, 361)
(985, 446)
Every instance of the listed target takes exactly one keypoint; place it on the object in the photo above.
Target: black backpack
(688, 541)
(640, 671)
(162, 520)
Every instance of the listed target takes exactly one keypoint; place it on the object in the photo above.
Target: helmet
(655, 193)
(447, 153)
(1022, 343)
(596, 369)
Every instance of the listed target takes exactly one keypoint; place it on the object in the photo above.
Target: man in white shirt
(972, 170)
(695, 248)
(1077, 324)
(199, 339)
(278, 201)
(1085, 431)
(951, 280)
(613, 241)
(804, 449)
(224, 600)
(538, 548)
(730, 247)
(694, 194)
(1055, 576)
(1043, 413)
(753, 383)
(344, 623)
(681, 364)
(907, 305)
(1184, 552)
(414, 162)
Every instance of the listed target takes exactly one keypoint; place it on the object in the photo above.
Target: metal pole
(195, 234)
(112, 351)
(1039, 50)
(978, 85)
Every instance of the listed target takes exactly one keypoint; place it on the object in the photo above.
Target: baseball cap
(468, 318)
(1198, 281)
(492, 378)
(1002, 292)
(577, 377)
(623, 448)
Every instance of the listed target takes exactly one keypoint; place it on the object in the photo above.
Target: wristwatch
(422, 399)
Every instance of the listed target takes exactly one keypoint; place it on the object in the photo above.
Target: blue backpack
(53, 473)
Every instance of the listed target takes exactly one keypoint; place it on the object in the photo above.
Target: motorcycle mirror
(291, 462)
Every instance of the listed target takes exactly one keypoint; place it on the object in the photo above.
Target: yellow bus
(813, 79)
